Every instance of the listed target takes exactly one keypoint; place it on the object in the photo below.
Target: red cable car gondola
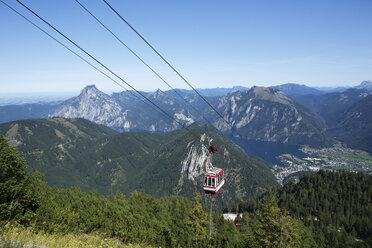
(214, 177)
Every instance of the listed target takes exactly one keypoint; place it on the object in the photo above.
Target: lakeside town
(337, 157)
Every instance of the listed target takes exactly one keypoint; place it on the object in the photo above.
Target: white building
(231, 216)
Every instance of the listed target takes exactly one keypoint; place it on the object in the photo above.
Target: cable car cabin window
(213, 182)
(209, 181)
(205, 180)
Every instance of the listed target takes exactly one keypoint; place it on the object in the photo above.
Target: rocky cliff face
(193, 165)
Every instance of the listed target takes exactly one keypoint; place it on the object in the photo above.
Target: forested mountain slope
(58, 148)
(334, 205)
(78, 152)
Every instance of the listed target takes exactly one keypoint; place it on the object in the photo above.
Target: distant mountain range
(332, 89)
(216, 91)
(79, 152)
(297, 90)
(261, 114)
(289, 114)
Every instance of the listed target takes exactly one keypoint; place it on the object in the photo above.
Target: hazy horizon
(66, 94)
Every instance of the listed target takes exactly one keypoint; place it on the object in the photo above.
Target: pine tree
(197, 221)
(274, 227)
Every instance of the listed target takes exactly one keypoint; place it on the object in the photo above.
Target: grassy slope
(18, 236)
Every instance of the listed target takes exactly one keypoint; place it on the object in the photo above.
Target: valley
(337, 157)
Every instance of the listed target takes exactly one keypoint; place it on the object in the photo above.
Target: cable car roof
(213, 172)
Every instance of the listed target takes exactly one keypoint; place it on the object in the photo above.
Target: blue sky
(212, 43)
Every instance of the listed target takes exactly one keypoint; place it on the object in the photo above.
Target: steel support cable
(76, 54)
(168, 64)
(203, 98)
(108, 69)
(138, 57)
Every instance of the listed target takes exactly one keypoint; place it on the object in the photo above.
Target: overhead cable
(168, 64)
(138, 57)
(108, 69)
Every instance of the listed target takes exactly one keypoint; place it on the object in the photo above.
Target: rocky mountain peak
(158, 93)
(367, 85)
(91, 104)
(163, 97)
(91, 91)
